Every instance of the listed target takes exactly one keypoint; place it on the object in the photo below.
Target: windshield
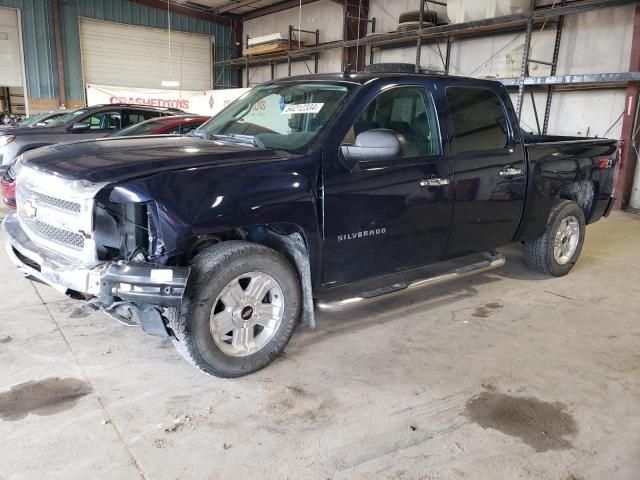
(142, 128)
(66, 118)
(32, 119)
(284, 116)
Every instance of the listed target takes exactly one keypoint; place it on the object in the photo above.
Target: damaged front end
(91, 246)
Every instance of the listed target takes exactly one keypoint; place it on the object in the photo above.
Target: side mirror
(79, 127)
(372, 148)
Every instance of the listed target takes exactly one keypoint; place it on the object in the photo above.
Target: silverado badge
(363, 234)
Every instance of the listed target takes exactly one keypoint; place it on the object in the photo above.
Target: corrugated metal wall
(39, 43)
(124, 11)
(39, 47)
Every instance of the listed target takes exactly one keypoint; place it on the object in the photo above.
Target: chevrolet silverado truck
(313, 192)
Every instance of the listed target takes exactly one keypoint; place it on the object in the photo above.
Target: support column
(356, 13)
(630, 134)
(62, 94)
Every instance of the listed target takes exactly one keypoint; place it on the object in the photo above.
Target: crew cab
(312, 192)
(80, 124)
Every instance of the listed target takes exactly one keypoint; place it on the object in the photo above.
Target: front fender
(202, 201)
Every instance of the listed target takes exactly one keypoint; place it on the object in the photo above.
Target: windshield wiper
(238, 138)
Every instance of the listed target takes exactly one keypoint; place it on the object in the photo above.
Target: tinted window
(408, 111)
(478, 119)
(137, 116)
(107, 120)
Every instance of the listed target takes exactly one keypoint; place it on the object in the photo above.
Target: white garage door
(132, 56)
(10, 51)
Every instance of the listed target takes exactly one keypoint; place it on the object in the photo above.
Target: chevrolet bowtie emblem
(28, 209)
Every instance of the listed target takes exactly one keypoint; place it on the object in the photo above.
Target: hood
(113, 159)
(34, 130)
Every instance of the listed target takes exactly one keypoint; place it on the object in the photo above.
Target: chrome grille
(42, 199)
(31, 203)
(57, 213)
(55, 234)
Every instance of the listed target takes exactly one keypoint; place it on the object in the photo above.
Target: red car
(8, 187)
(172, 125)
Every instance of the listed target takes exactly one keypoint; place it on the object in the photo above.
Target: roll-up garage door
(10, 51)
(133, 56)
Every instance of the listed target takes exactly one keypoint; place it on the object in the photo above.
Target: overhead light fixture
(169, 83)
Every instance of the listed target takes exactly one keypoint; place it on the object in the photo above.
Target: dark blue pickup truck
(323, 191)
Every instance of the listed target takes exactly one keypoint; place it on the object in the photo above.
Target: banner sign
(208, 102)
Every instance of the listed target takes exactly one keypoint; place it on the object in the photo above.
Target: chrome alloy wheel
(246, 314)
(566, 240)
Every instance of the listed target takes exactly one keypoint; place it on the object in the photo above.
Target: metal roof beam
(275, 8)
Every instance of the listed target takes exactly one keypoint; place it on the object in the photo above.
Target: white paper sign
(302, 108)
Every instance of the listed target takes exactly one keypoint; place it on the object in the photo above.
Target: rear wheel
(557, 250)
(240, 309)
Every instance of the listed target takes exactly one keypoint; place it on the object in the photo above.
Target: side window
(137, 116)
(478, 119)
(107, 120)
(408, 111)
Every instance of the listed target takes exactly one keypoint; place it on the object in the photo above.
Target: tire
(540, 254)
(414, 16)
(391, 68)
(216, 274)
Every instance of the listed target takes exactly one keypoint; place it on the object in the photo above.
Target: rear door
(489, 162)
(388, 219)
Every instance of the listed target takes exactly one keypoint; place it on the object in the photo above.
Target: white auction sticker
(302, 108)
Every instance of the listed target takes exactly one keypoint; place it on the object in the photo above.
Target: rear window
(478, 120)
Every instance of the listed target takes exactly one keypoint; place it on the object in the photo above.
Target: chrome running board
(492, 261)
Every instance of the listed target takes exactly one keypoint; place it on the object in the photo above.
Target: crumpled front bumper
(135, 282)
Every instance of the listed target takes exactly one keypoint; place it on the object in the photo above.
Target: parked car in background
(168, 125)
(8, 191)
(175, 125)
(81, 124)
(42, 119)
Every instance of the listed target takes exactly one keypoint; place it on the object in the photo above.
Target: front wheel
(557, 250)
(240, 309)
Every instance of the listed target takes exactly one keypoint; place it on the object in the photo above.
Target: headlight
(16, 166)
(6, 140)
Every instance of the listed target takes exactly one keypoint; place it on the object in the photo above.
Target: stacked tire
(410, 20)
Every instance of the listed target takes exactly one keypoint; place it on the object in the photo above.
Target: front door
(99, 124)
(395, 216)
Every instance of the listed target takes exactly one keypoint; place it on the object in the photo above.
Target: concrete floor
(502, 376)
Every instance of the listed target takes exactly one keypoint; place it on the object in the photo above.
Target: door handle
(510, 172)
(434, 182)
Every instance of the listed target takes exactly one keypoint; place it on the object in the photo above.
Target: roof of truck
(364, 77)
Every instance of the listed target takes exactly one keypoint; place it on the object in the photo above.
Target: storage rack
(492, 26)
(291, 55)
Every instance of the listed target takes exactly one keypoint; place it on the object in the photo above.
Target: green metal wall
(39, 46)
(39, 40)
